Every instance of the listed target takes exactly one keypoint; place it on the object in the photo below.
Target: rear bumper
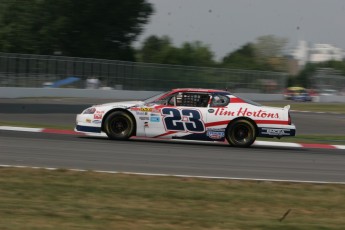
(277, 131)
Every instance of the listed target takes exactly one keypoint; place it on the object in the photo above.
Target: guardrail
(28, 70)
(20, 92)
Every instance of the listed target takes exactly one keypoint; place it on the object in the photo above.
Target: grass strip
(312, 138)
(61, 199)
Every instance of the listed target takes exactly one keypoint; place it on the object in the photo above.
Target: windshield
(155, 97)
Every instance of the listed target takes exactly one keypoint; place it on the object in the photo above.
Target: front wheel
(241, 133)
(119, 126)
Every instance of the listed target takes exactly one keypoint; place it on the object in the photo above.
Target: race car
(188, 114)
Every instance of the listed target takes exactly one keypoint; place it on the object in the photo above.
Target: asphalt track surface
(210, 160)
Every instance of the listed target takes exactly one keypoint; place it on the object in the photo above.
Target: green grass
(61, 199)
(312, 138)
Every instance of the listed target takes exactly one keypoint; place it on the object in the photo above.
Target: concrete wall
(330, 99)
(261, 97)
(16, 92)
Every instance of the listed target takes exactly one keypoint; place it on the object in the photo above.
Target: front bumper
(85, 123)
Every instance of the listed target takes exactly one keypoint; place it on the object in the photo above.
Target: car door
(183, 116)
(218, 117)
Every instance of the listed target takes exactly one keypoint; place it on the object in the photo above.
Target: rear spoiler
(287, 107)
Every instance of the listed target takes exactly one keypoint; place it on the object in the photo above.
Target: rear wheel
(119, 126)
(241, 133)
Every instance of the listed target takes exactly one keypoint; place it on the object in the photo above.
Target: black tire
(241, 133)
(119, 126)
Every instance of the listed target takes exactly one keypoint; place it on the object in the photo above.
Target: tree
(196, 54)
(84, 28)
(266, 54)
(269, 50)
(162, 51)
(155, 49)
(268, 46)
(243, 58)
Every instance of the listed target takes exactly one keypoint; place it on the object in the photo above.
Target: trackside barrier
(19, 92)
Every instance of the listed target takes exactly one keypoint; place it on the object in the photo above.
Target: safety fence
(328, 81)
(28, 70)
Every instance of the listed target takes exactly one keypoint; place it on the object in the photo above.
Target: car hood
(122, 104)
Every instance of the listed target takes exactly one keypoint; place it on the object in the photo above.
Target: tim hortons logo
(246, 112)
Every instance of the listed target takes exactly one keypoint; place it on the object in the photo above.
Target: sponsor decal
(98, 115)
(155, 114)
(224, 112)
(246, 112)
(88, 120)
(144, 118)
(96, 121)
(155, 119)
(215, 129)
(146, 109)
(276, 132)
(215, 135)
(156, 111)
(141, 113)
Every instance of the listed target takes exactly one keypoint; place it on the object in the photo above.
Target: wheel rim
(119, 125)
(242, 134)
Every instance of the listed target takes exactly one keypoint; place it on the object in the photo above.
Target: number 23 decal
(183, 120)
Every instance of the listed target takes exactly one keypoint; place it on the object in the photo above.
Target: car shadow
(192, 143)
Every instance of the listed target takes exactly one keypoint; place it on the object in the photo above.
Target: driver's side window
(189, 99)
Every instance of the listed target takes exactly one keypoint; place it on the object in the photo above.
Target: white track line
(277, 144)
(178, 175)
(339, 146)
(24, 129)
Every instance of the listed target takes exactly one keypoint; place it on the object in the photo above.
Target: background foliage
(82, 28)
(107, 29)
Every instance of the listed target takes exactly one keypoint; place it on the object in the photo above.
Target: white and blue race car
(189, 114)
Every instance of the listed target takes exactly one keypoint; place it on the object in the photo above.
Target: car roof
(296, 88)
(199, 90)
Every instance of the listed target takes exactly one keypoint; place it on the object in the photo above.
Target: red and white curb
(257, 143)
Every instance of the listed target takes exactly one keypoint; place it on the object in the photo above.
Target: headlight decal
(91, 110)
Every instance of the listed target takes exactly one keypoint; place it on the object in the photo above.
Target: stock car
(188, 114)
